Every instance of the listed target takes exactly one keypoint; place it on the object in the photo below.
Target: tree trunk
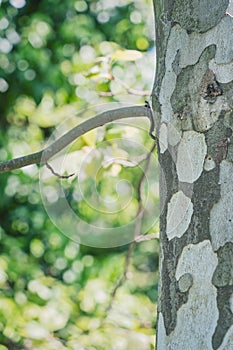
(193, 101)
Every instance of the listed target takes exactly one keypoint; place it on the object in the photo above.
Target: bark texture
(193, 100)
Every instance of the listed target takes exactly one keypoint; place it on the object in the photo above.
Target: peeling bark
(193, 98)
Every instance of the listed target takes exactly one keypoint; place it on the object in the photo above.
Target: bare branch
(101, 119)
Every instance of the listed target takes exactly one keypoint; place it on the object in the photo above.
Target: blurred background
(67, 60)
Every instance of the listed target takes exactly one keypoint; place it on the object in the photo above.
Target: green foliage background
(58, 58)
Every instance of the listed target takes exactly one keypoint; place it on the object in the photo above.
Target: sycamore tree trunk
(193, 101)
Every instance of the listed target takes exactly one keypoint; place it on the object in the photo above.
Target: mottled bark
(193, 98)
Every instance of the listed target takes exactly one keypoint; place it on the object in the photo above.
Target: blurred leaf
(126, 55)
(90, 137)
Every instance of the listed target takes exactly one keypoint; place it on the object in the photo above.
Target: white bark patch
(190, 48)
(190, 156)
(174, 136)
(209, 163)
(197, 319)
(223, 72)
(163, 138)
(179, 214)
(208, 113)
(221, 215)
(161, 336)
(216, 36)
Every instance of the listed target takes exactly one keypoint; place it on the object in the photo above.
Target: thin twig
(152, 121)
(56, 174)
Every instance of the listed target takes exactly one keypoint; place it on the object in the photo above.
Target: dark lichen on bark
(210, 87)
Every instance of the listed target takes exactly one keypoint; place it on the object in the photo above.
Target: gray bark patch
(199, 16)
